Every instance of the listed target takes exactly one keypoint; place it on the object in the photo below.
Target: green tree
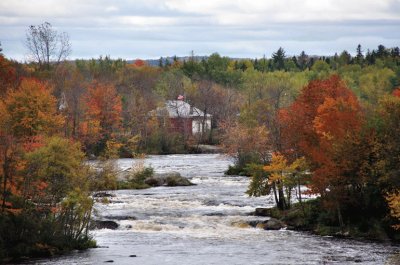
(359, 56)
(278, 58)
(59, 164)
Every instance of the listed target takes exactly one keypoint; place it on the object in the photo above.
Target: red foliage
(103, 110)
(396, 92)
(139, 63)
(7, 74)
(325, 118)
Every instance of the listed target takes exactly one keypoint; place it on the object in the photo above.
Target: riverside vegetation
(330, 123)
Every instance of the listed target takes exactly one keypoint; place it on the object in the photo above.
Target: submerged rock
(102, 194)
(119, 217)
(240, 224)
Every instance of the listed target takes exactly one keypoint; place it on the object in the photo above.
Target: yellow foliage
(393, 200)
(299, 165)
(278, 164)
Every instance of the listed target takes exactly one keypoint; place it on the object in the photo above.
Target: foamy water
(203, 224)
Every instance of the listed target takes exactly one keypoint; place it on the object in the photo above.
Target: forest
(328, 123)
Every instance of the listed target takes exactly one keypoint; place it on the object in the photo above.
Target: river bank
(310, 217)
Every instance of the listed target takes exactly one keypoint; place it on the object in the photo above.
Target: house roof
(180, 108)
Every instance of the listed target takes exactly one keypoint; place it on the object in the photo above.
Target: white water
(200, 225)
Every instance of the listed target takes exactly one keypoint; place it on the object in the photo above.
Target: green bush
(136, 178)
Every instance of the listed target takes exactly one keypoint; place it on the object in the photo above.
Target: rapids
(202, 225)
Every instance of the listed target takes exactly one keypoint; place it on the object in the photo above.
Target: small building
(184, 118)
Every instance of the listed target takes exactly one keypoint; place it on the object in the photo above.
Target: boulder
(274, 224)
(177, 180)
(104, 225)
(154, 182)
(167, 179)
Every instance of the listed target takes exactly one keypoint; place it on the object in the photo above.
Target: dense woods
(329, 123)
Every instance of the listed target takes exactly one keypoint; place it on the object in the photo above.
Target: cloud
(153, 28)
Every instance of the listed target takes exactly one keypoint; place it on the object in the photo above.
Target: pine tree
(359, 56)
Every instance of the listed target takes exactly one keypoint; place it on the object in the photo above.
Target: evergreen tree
(302, 61)
(359, 56)
(160, 62)
(279, 59)
(395, 52)
(382, 51)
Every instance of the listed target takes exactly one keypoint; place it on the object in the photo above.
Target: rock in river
(272, 224)
(168, 179)
(104, 225)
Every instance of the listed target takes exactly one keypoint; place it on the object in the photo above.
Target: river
(199, 225)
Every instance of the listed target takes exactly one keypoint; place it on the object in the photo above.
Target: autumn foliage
(38, 170)
(102, 117)
(32, 109)
(8, 76)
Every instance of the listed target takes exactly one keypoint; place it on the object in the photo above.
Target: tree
(359, 56)
(278, 173)
(46, 45)
(321, 69)
(246, 144)
(32, 110)
(64, 197)
(280, 177)
(278, 58)
(102, 114)
(303, 61)
(26, 114)
(393, 200)
(344, 58)
(59, 164)
(382, 52)
(324, 124)
(8, 78)
(389, 143)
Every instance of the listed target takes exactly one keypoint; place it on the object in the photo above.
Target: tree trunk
(275, 195)
(5, 177)
(282, 203)
(340, 217)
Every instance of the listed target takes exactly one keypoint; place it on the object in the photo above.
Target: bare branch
(46, 46)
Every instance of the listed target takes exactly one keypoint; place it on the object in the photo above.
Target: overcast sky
(152, 28)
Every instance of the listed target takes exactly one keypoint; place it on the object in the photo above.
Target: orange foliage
(26, 115)
(32, 109)
(322, 124)
(7, 74)
(103, 110)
